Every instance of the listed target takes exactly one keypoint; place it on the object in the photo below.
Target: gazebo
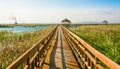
(66, 21)
(105, 22)
(16, 22)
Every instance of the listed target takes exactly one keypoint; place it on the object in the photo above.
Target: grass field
(12, 45)
(105, 38)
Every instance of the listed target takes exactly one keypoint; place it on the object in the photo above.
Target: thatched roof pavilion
(105, 22)
(66, 21)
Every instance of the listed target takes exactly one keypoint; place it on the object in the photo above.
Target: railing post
(91, 65)
(32, 66)
(36, 60)
(96, 62)
(28, 62)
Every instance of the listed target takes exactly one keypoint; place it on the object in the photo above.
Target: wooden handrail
(87, 48)
(35, 53)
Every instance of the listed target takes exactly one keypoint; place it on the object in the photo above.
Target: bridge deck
(60, 55)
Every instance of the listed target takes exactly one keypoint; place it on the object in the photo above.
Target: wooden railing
(87, 56)
(34, 57)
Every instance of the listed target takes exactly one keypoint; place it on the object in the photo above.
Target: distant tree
(16, 22)
(14, 19)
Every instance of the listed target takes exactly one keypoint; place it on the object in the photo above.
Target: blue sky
(53, 11)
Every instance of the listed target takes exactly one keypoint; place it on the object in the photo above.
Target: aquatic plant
(12, 45)
(105, 38)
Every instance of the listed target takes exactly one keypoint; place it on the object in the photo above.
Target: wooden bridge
(62, 49)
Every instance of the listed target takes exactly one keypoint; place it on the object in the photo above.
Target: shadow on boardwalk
(61, 55)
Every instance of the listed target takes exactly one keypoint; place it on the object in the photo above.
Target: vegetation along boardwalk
(62, 49)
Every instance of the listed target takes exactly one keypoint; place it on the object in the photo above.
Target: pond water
(19, 29)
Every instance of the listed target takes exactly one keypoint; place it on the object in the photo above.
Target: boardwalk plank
(60, 55)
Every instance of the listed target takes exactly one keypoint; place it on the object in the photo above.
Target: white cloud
(56, 15)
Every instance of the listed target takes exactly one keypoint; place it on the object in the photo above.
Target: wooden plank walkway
(60, 55)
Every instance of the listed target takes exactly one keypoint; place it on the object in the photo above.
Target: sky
(53, 11)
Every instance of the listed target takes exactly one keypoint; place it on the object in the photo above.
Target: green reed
(12, 45)
(105, 38)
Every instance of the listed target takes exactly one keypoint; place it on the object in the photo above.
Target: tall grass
(12, 45)
(105, 38)
(26, 25)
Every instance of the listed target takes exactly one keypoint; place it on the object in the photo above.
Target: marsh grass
(12, 45)
(25, 25)
(105, 38)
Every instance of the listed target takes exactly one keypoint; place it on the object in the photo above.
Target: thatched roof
(66, 20)
(105, 21)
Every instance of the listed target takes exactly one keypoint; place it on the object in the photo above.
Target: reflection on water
(19, 29)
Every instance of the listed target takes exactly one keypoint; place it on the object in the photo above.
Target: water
(19, 29)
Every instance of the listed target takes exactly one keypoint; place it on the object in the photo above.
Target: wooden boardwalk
(60, 55)
(62, 51)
